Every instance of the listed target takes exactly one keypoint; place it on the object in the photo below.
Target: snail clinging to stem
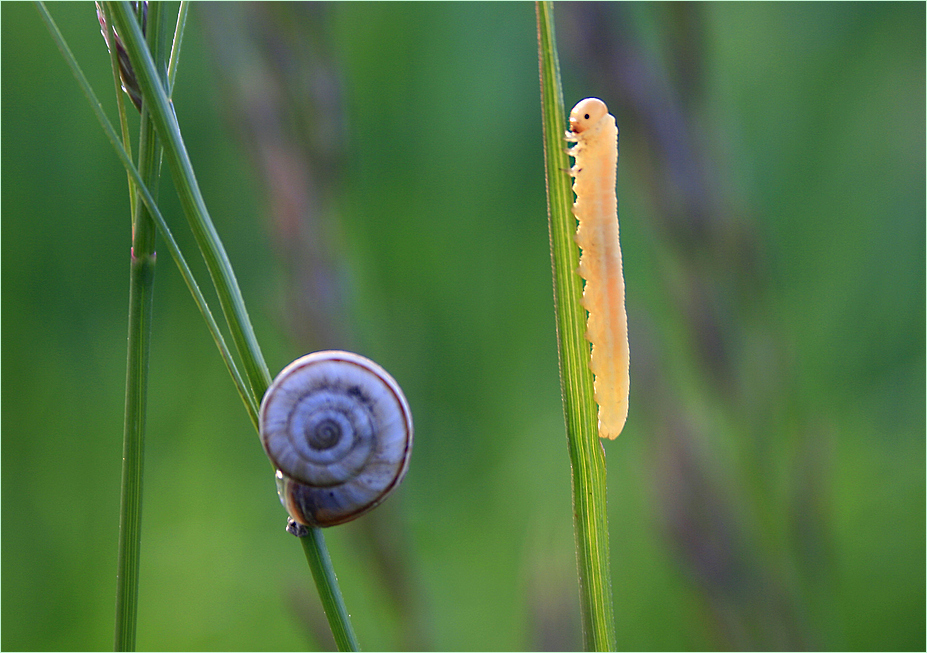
(338, 429)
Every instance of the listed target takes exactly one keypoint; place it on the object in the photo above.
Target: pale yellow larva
(595, 133)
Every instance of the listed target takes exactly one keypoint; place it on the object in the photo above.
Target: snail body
(338, 429)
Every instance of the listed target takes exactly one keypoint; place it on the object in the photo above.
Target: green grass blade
(329, 593)
(587, 456)
(140, 306)
(217, 262)
(120, 103)
(176, 45)
(223, 279)
(141, 294)
(164, 230)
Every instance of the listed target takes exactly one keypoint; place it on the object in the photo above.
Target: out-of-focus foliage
(376, 174)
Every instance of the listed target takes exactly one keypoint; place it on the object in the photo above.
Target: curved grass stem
(207, 238)
(257, 379)
(163, 229)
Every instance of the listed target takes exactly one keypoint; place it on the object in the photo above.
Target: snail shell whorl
(339, 431)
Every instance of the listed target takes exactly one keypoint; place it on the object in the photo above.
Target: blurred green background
(376, 173)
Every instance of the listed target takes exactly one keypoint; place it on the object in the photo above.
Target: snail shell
(339, 431)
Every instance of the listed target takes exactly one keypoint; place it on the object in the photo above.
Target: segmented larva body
(595, 133)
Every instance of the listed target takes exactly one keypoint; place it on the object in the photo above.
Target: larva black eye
(586, 116)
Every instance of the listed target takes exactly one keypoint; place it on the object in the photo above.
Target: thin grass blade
(223, 278)
(163, 228)
(587, 456)
(207, 238)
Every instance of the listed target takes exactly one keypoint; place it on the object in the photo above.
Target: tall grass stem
(258, 377)
(163, 229)
(329, 593)
(127, 575)
(207, 238)
(587, 455)
(141, 293)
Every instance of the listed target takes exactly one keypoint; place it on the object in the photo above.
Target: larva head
(586, 114)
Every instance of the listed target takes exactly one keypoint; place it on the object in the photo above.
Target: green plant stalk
(133, 173)
(176, 44)
(140, 306)
(226, 286)
(141, 293)
(587, 455)
(120, 106)
(321, 562)
(329, 593)
(163, 228)
(191, 199)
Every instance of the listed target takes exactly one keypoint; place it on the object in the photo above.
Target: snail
(338, 430)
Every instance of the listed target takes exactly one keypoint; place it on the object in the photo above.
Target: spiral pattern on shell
(339, 431)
